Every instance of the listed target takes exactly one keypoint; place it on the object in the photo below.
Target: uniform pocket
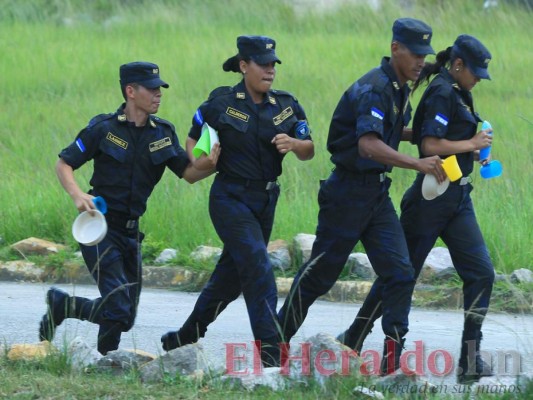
(162, 155)
(464, 114)
(234, 123)
(115, 151)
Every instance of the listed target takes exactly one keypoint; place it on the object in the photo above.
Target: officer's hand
(213, 156)
(432, 165)
(208, 162)
(482, 162)
(482, 139)
(84, 202)
(283, 142)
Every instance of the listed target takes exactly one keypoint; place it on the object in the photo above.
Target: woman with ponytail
(257, 127)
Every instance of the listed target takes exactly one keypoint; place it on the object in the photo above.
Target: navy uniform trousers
(115, 265)
(450, 216)
(243, 217)
(353, 209)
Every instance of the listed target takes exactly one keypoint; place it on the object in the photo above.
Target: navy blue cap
(474, 54)
(414, 34)
(260, 49)
(143, 73)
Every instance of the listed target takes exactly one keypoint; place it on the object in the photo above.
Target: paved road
(22, 305)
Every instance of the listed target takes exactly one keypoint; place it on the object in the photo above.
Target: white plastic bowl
(89, 229)
(431, 188)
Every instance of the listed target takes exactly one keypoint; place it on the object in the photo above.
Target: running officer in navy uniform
(130, 149)
(364, 134)
(445, 123)
(257, 127)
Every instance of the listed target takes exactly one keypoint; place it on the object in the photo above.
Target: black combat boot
(355, 335)
(270, 352)
(392, 350)
(174, 339)
(57, 310)
(109, 336)
(471, 367)
(189, 333)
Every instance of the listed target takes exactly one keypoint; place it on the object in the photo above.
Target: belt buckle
(271, 185)
(464, 180)
(131, 223)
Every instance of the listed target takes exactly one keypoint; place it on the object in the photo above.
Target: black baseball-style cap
(414, 34)
(474, 54)
(260, 49)
(143, 73)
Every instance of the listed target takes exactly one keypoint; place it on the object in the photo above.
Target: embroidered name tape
(278, 119)
(237, 114)
(154, 146)
(116, 140)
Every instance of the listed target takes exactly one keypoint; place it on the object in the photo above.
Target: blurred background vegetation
(60, 68)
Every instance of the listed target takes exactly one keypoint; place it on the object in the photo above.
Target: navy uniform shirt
(446, 111)
(128, 160)
(374, 103)
(246, 130)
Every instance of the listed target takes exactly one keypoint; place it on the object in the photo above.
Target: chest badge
(278, 119)
(232, 112)
(158, 145)
(116, 140)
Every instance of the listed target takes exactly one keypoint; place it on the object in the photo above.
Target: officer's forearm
(304, 149)
(407, 135)
(193, 174)
(65, 175)
(373, 148)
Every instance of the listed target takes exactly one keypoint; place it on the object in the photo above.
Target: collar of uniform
(449, 78)
(240, 90)
(389, 71)
(121, 117)
(241, 94)
(385, 65)
(152, 121)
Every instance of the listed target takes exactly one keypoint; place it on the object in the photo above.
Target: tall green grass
(60, 67)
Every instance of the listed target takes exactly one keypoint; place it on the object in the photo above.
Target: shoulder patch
(220, 91)
(100, 118)
(284, 93)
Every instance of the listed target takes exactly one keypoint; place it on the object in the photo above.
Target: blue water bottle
(485, 153)
(494, 168)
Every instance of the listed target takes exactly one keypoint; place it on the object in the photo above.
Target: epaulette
(283, 93)
(382, 83)
(99, 118)
(161, 121)
(220, 91)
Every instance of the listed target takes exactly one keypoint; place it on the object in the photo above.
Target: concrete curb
(184, 279)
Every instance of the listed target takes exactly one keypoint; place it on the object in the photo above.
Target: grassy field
(60, 68)
(52, 378)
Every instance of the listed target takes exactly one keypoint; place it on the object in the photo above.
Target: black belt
(357, 176)
(253, 184)
(463, 181)
(121, 221)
